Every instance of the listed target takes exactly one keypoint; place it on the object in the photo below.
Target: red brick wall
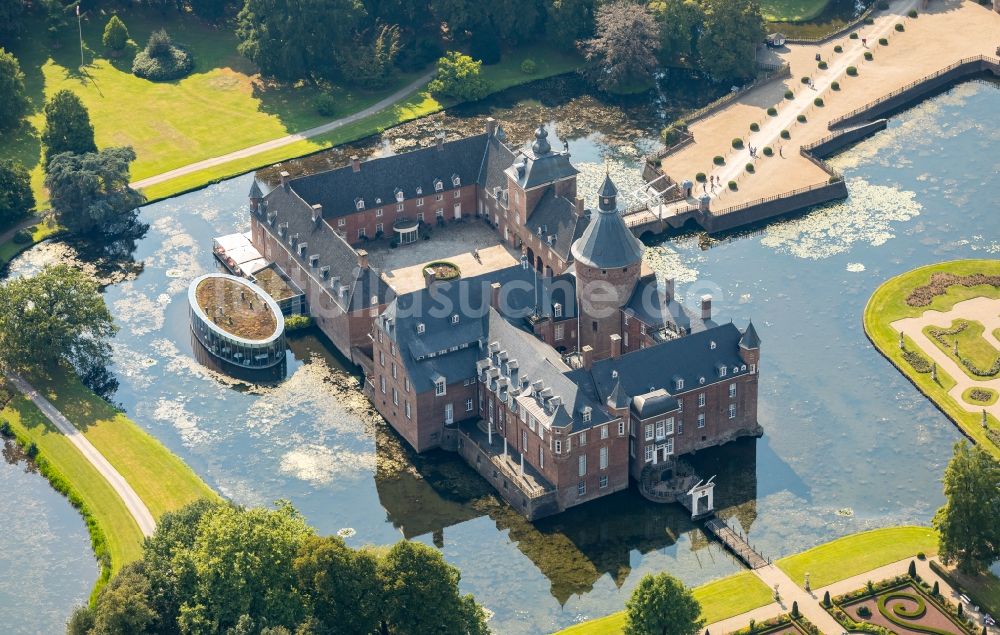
(589, 281)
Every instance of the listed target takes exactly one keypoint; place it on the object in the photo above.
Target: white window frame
(732, 390)
(649, 432)
(468, 405)
(420, 202)
(381, 383)
(581, 465)
(604, 458)
(603, 483)
(341, 222)
(440, 388)
(670, 426)
(449, 413)
(395, 397)
(557, 310)
(604, 431)
(701, 400)
(541, 457)
(559, 332)
(406, 408)
(732, 411)
(661, 429)
(621, 428)
(648, 454)
(701, 420)
(557, 446)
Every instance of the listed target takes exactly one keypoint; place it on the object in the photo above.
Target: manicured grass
(160, 478)
(984, 589)
(857, 553)
(720, 599)
(967, 396)
(888, 304)
(971, 345)
(223, 106)
(506, 74)
(39, 232)
(121, 533)
(792, 10)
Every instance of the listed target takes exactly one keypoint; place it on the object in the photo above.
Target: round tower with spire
(608, 260)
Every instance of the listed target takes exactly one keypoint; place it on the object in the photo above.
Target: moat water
(849, 443)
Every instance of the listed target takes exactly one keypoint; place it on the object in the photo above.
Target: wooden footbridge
(736, 543)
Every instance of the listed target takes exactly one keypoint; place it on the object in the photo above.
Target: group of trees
(968, 522)
(214, 567)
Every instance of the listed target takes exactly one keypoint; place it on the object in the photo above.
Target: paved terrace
(943, 33)
(403, 267)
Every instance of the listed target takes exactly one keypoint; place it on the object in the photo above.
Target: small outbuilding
(775, 40)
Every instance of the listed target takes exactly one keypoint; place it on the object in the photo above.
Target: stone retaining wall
(774, 207)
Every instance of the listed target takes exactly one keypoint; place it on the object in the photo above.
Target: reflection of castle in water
(573, 549)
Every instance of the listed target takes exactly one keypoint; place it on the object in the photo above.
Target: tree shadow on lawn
(23, 145)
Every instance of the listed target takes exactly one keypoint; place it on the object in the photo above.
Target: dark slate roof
(689, 358)
(470, 299)
(651, 304)
(332, 249)
(618, 398)
(540, 165)
(608, 243)
(538, 361)
(255, 190)
(338, 190)
(608, 188)
(750, 338)
(656, 402)
(556, 216)
(498, 157)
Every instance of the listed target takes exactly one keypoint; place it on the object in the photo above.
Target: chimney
(668, 288)
(429, 277)
(491, 126)
(317, 212)
(362, 259)
(355, 163)
(495, 295)
(616, 346)
(284, 178)
(588, 356)
(706, 307)
(440, 141)
(579, 206)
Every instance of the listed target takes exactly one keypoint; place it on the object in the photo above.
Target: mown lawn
(163, 481)
(224, 105)
(888, 304)
(984, 589)
(792, 10)
(122, 534)
(39, 232)
(857, 553)
(506, 74)
(719, 600)
(971, 345)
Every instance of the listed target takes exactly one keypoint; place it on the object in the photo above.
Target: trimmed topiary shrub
(912, 570)
(801, 119)
(772, 111)
(826, 599)
(732, 185)
(718, 160)
(854, 36)
(737, 143)
(789, 94)
(162, 60)
(818, 101)
(835, 85)
(528, 66)
(912, 13)
(700, 177)
(864, 612)
(852, 71)
(838, 49)
(749, 168)
(325, 104)
(900, 28)
(768, 152)
(805, 80)
(869, 21)
(785, 134)
(868, 56)
(921, 555)
(936, 590)
(822, 65)
(883, 42)
(754, 127)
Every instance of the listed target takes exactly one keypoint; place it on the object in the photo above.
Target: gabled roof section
(608, 188)
(540, 164)
(255, 190)
(750, 340)
(618, 398)
(608, 243)
(498, 158)
(556, 216)
(337, 190)
(651, 304)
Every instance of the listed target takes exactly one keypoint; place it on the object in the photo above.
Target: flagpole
(80, 28)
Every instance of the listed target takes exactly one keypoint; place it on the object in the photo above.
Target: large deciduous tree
(569, 21)
(420, 594)
(14, 104)
(11, 20)
(622, 54)
(67, 126)
(16, 198)
(458, 77)
(661, 605)
(56, 315)
(968, 522)
(680, 24)
(299, 39)
(340, 585)
(732, 31)
(90, 194)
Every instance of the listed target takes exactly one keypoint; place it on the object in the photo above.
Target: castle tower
(256, 196)
(750, 346)
(608, 262)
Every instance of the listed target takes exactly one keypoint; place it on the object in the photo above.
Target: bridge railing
(768, 199)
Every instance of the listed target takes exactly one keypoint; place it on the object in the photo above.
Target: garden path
(808, 602)
(287, 139)
(983, 310)
(132, 502)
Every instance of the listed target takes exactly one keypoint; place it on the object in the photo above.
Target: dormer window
(711, 345)
(324, 272)
(587, 414)
(438, 185)
(421, 328)
(302, 249)
(557, 310)
(454, 319)
(455, 180)
(314, 260)
(359, 203)
(399, 195)
(678, 383)
(722, 371)
(420, 191)
(439, 386)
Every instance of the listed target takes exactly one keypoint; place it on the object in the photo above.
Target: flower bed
(444, 270)
(901, 605)
(939, 283)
